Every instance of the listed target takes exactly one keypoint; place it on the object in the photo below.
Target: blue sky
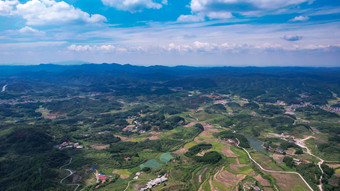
(171, 32)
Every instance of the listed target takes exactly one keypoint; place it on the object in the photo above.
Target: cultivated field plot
(289, 182)
(166, 157)
(152, 163)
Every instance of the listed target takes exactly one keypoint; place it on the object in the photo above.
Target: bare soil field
(236, 166)
(228, 179)
(100, 147)
(190, 124)
(125, 139)
(278, 157)
(227, 151)
(288, 181)
(121, 176)
(334, 165)
(262, 181)
(180, 151)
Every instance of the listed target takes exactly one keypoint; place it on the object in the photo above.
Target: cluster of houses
(250, 186)
(329, 108)
(155, 182)
(277, 150)
(134, 127)
(102, 176)
(211, 96)
(65, 145)
(104, 132)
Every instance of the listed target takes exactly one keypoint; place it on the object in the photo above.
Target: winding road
(4, 88)
(321, 161)
(71, 173)
(274, 171)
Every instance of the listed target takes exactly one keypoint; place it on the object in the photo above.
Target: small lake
(257, 145)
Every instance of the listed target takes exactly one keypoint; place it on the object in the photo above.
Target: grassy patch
(220, 186)
(191, 144)
(242, 156)
(231, 160)
(337, 171)
(206, 186)
(138, 139)
(265, 161)
(245, 169)
(217, 146)
(242, 170)
(124, 172)
(298, 187)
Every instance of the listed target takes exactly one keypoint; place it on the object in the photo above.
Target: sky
(171, 32)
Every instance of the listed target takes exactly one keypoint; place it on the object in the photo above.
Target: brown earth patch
(290, 151)
(123, 138)
(200, 176)
(100, 147)
(287, 181)
(228, 179)
(278, 157)
(115, 171)
(202, 153)
(335, 166)
(234, 167)
(268, 189)
(180, 151)
(214, 130)
(190, 124)
(205, 125)
(227, 151)
(262, 181)
(155, 133)
(153, 138)
(334, 181)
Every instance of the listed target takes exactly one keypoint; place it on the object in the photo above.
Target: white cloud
(201, 5)
(299, 18)
(31, 45)
(6, 7)
(134, 5)
(220, 15)
(223, 9)
(30, 31)
(50, 12)
(100, 48)
(190, 18)
(79, 48)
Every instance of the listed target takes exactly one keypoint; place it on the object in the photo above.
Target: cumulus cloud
(190, 18)
(134, 5)
(42, 12)
(292, 37)
(7, 6)
(101, 48)
(299, 18)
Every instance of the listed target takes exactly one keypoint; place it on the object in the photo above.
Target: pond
(257, 145)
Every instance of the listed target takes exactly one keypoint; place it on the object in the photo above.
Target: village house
(155, 182)
(65, 145)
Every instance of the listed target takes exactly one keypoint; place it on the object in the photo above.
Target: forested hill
(164, 72)
(283, 83)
